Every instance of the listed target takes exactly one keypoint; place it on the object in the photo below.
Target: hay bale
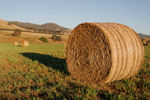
(25, 44)
(103, 52)
(148, 43)
(16, 43)
(65, 39)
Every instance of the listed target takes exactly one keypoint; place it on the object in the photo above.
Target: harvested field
(39, 72)
(103, 52)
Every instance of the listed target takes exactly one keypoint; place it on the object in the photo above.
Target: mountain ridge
(43, 28)
(142, 36)
(47, 27)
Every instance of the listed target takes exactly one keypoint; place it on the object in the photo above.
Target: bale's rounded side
(16, 43)
(25, 44)
(103, 52)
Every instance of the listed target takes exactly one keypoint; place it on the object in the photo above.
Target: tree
(16, 32)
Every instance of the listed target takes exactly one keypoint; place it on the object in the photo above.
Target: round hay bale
(25, 44)
(103, 52)
(16, 43)
(65, 39)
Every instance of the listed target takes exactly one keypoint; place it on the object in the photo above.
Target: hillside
(6, 25)
(48, 27)
(144, 35)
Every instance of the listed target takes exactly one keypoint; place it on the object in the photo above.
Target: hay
(16, 43)
(103, 52)
(148, 44)
(65, 39)
(25, 44)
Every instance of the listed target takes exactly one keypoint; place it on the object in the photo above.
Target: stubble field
(40, 72)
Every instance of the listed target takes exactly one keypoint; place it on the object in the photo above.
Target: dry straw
(103, 52)
(16, 43)
(25, 44)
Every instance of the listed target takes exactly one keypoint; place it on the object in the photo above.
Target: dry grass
(40, 72)
(5, 25)
(5, 37)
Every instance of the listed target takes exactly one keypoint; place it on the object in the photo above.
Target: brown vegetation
(146, 41)
(6, 25)
(103, 52)
(16, 32)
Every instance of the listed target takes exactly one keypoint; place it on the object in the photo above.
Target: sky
(70, 13)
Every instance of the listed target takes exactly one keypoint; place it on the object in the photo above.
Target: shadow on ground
(48, 60)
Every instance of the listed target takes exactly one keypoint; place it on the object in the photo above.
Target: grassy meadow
(40, 72)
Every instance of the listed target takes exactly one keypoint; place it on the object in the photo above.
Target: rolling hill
(7, 25)
(143, 35)
(48, 27)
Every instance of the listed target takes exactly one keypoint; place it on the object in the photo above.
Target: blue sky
(70, 13)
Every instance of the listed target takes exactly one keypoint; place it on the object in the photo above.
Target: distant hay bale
(16, 43)
(25, 44)
(103, 52)
(148, 43)
(65, 39)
